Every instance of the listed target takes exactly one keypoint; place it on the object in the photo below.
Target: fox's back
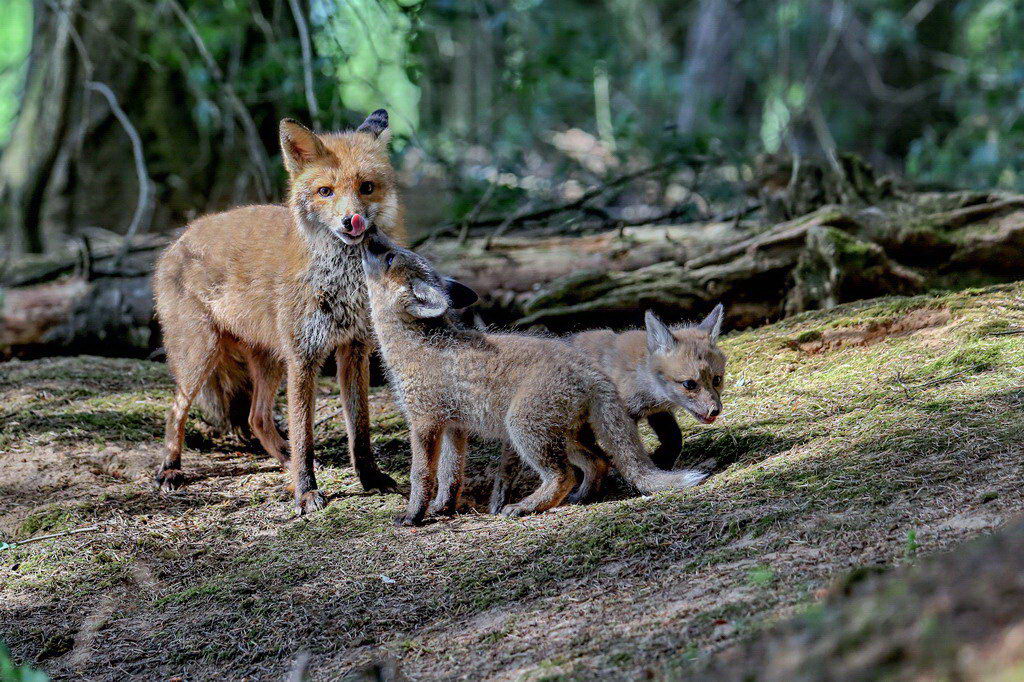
(240, 266)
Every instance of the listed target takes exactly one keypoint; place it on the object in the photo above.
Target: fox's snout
(353, 224)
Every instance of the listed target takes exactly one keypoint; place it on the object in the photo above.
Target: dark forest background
(120, 115)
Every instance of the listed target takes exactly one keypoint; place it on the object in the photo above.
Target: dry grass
(852, 456)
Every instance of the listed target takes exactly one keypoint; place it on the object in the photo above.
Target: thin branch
(307, 60)
(140, 164)
(40, 538)
(475, 212)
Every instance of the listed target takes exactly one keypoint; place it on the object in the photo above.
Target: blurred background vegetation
(496, 104)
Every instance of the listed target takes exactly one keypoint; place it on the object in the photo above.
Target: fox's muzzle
(374, 251)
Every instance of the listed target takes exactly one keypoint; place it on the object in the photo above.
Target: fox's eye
(690, 385)
(325, 191)
(367, 187)
(716, 381)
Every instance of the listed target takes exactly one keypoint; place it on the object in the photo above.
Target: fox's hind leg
(594, 468)
(546, 450)
(504, 477)
(266, 380)
(192, 357)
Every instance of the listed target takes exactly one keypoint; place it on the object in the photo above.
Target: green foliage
(15, 42)
(365, 46)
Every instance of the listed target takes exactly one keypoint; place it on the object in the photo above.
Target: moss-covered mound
(864, 436)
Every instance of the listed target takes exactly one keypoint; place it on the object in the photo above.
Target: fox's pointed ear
(377, 125)
(659, 337)
(300, 145)
(712, 324)
(460, 295)
(428, 300)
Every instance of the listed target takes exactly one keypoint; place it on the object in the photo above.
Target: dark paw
(377, 480)
(407, 521)
(311, 502)
(169, 479)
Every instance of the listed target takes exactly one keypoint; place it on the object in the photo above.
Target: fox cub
(535, 394)
(657, 370)
(248, 296)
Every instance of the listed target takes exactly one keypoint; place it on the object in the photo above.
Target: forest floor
(866, 436)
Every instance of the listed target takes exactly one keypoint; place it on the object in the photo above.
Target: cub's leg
(451, 471)
(546, 450)
(504, 477)
(192, 356)
(670, 437)
(426, 444)
(354, 381)
(594, 469)
(266, 375)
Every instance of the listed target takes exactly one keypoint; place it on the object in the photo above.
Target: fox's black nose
(347, 222)
(715, 411)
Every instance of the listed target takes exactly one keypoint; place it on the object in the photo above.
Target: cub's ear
(659, 338)
(461, 296)
(428, 300)
(377, 125)
(300, 146)
(712, 324)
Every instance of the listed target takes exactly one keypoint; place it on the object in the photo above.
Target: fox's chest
(338, 310)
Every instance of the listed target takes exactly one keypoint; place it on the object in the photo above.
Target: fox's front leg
(301, 387)
(451, 470)
(354, 381)
(670, 439)
(426, 443)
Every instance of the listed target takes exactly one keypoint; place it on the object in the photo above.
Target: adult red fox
(251, 295)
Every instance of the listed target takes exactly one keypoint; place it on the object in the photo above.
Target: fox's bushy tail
(617, 435)
(224, 400)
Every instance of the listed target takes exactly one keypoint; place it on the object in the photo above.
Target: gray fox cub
(534, 394)
(656, 370)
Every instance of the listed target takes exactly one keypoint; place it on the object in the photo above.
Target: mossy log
(832, 255)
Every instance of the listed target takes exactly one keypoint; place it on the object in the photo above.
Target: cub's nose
(715, 411)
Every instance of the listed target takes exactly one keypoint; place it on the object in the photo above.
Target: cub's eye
(389, 258)
(690, 385)
(325, 191)
(367, 187)
(716, 381)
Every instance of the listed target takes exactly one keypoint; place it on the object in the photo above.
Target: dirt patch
(832, 468)
(814, 342)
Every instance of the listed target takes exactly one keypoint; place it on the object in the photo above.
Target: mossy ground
(867, 454)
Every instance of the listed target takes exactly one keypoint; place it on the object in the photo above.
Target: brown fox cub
(656, 370)
(248, 296)
(535, 394)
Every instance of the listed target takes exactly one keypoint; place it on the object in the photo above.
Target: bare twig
(140, 165)
(50, 536)
(307, 60)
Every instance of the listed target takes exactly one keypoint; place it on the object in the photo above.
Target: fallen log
(832, 255)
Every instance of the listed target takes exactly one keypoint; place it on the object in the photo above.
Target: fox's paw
(407, 521)
(513, 511)
(311, 502)
(445, 509)
(169, 479)
(377, 480)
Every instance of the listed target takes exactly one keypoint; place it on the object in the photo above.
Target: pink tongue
(358, 225)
